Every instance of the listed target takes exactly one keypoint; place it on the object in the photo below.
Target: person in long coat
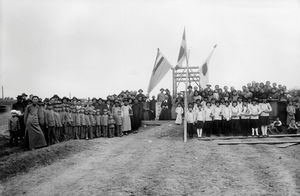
(152, 108)
(127, 112)
(166, 110)
(137, 109)
(34, 133)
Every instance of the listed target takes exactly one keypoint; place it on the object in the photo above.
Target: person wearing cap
(98, 123)
(254, 118)
(88, 128)
(75, 123)
(127, 112)
(93, 124)
(82, 127)
(104, 123)
(34, 133)
(266, 109)
(50, 124)
(58, 123)
(13, 128)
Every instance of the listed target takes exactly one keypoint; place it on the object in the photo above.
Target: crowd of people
(218, 111)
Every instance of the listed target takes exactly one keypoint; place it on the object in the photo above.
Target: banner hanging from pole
(182, 51)
(204, 71)
(161, 68)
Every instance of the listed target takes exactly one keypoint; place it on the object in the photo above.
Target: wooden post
(174, 82)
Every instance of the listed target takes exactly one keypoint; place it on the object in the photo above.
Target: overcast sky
(93, 48)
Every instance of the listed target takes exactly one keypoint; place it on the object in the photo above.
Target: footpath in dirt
(155, 161)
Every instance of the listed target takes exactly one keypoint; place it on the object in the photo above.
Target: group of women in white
(242, 117)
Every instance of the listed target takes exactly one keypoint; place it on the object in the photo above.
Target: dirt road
(156, 162)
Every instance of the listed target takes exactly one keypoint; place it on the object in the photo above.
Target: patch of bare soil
(155, 161)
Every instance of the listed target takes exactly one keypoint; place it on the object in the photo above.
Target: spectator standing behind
(152, 108)
(34, 133)
(13, 128)
(291, 111)
(160, 99)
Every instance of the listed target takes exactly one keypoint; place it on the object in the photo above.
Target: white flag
(204, 71)
(161, 68)
(182, 51)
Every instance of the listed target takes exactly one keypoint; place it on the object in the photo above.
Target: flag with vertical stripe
(182, 51)
(161, 68)
(204, 79)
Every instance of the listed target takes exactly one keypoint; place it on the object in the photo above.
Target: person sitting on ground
(276, 126)
(293, 128)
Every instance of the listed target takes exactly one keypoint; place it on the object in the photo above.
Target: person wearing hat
(82, 127)
(140, 94)
(190, 120)
(152, 107)
(254, 118)
(13, 128)
(98, 123)
(137, 111)
(160, 98)
(58, 123)
(34, 135)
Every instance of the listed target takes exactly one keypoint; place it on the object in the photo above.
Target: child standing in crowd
(245, 119)
(190, 119)
(14, 128)
(208, 120)
(254, 118)
(50, 123)
(75, 123)
(88, 131)
(104, 123)
(111, 126)
(93, 124)
(226, 114)
(291, 110)
(235, 119)
(200, 116)
(217, 124)
(265, 109)
(58, 124)
(179, 112)
(98, 123)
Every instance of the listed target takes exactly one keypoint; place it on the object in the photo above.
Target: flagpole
(185, 98)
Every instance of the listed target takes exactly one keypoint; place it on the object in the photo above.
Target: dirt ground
(155, 161)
